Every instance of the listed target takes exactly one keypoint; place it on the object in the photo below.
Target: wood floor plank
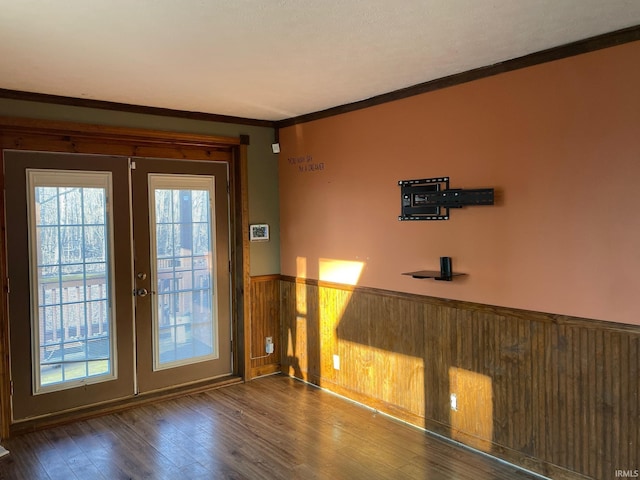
(271, 428)
(25, 465)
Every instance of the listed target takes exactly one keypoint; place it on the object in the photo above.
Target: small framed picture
(259, 232)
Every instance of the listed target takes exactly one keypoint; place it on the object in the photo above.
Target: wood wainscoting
(555, 394)
(265, 322)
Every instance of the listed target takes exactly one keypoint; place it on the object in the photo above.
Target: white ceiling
(275, 59)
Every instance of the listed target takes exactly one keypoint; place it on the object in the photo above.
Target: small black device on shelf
(446, 272)
(431, 198)
(445, 267)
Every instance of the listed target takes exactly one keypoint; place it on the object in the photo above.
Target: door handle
(140, 292)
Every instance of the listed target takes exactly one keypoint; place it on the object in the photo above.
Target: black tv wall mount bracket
(431, 198)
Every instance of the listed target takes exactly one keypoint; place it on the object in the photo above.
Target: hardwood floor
(270, 428)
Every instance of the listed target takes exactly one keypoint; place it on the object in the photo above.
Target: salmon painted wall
(560, 143)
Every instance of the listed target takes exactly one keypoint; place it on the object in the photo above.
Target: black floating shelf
(435, 274)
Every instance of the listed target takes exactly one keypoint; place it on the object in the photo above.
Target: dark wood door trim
(54, 136)
(241, 302)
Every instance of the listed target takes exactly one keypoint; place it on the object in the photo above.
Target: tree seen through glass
(184, 275)
(72, 283)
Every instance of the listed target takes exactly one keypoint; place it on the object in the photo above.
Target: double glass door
(118, 276)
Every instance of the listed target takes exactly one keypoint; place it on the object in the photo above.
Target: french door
(182, 271)
(119, 277)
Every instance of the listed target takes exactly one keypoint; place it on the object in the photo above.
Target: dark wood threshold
(120, 405)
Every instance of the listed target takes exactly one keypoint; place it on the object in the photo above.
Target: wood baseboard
(263, 370)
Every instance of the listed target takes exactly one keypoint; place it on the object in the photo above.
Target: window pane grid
(73, 317)
(184, 271)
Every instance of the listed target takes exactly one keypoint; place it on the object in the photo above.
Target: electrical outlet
(268, 345)
(336, 362)
(454, 402)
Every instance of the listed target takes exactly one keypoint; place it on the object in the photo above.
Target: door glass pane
(70, 244)
(185, 317)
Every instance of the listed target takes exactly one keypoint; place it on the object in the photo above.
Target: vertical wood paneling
(534, 375)
(633, 377)
(331, 312)
(553, 395)
(563, 397)
(582, 421)
(440, 353)
(599, 384)
(265, 322)
(396, 330)
(610, 410)
(572, 381)
(592, 431)
(559, 380)
(525, 392)
(356, 356)
(299, 323)
(624, 393)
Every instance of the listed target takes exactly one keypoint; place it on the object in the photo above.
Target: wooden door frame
(54, 136)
